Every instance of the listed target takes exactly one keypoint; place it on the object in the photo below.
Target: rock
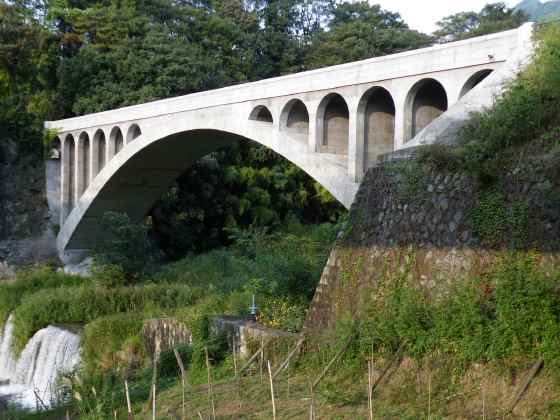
(161, 334)
(247, 333)
(82, 268)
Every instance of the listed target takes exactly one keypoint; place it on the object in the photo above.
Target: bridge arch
(99, 152)
(261, 113)
(376, 124)
(83, 162)
(474, 80)
(333, 123)
(116, 141)
(426, 100)
(133, 132)
(137, 177)
(294, 119)
(68, 174)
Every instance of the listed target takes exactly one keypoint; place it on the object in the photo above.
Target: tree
(27, 77)
(492, 18)
(358, 31)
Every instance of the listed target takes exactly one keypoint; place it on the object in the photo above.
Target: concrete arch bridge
(333, 123)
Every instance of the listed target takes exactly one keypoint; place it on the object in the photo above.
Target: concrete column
(399, 123)
(355, 147)
(276, 111)
(63, 176)
(315, 127)
(77, 168)
(108, 147)
(92, 160)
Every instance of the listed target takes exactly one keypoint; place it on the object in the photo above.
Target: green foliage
(28, 62)
(106, 335)
(29, 281)
(508, 316)
(65, 305)
(489, 218)
(359, 31)
(247, 187)
(527, 111)
(126, 248)
(494, 17)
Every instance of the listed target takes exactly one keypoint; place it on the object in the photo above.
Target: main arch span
(333, 123)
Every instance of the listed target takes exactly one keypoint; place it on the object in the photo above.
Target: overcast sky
(423, 14)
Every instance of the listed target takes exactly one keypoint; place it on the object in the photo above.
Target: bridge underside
(142, 180)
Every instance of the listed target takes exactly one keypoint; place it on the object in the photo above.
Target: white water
(32, 378)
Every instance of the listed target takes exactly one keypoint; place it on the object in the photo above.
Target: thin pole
(370, 383)
(154, 379)
(237, 377)
(483, 402)
(210, 390)
(262, 358)
(128, 405)
(271, 390)
(183, 380)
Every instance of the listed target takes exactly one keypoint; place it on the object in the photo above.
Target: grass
(410, 391)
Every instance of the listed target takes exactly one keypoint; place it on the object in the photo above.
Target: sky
(423, 14)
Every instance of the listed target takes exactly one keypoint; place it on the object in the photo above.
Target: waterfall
(32, 377)
(7, 362)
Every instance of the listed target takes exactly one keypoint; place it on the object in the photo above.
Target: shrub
(126, 246)
(510, 315)
(84, 304)
(529, 109)
(29, 281)
(105, 336)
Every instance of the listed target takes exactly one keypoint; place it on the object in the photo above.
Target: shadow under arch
(474, 80)
(333, 122)
(376, 124)
(426, 101)
(136, 178)
(261, 113)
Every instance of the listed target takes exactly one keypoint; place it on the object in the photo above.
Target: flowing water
(30, 381)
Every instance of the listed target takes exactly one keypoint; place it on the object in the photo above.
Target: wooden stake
(312, 405)
(128, 405)
(395, 358)
(290, 355)
(530, 376)
(237, 377)
(115, 414)
(183, 380)
(429, 395)
(288, 372)
(483, 402)
(210, 389)
(262, 359)
(67, 415)
(251, 360)
(370, 383)
(334, 359)
(271, 390)
(154, 380)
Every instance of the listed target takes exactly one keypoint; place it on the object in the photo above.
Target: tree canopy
(494, 17)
